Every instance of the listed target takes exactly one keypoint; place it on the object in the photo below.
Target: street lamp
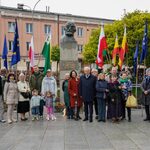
(20, 6)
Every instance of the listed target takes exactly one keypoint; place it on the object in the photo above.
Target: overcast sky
(110, 9)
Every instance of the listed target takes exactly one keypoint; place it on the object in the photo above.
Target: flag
(5, 52)
(135, 58)
(46, 54)
(144, 43)
(31, 53)
(124, 49)
(102, 47)
(16, 49)
(115, 51)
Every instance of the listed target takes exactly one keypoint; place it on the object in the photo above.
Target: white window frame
(11, 26)
(29, 28)
(80, 32)
(47, 29)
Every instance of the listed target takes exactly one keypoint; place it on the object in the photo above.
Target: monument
(68, 53)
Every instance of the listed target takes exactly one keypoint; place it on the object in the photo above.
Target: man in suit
(87, 92)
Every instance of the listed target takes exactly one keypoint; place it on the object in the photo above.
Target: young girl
(49, 106)
(35, 105)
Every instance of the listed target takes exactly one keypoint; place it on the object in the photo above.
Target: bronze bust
(70, 29)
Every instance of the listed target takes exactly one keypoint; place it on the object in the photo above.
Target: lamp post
(20, 6)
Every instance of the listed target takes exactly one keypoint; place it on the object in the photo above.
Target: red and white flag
(102, 47)
(31, 53)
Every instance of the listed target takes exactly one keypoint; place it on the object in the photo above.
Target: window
(62, 30)
(10, 45)
(47, 29)
(80, 48)
(80, 32)
(27, 46)
(11, 26)
(29, 28)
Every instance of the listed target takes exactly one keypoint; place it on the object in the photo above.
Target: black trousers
(88, 109)
(147, 112)
(42, 103)
(96, 106)
(124, 111)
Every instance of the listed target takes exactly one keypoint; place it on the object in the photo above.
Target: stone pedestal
(68, 59)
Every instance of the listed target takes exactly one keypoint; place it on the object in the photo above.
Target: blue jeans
(35, 110)
(101, 108)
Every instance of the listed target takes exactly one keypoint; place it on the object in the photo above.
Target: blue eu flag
(144, 43)
(135, 59)
(5, 52)
(16, 49)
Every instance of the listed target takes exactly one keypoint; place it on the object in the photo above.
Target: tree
(55, 55)
(135, 30)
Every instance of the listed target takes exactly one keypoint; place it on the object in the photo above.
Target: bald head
(86, 70)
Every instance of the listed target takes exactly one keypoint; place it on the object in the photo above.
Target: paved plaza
(64, 134)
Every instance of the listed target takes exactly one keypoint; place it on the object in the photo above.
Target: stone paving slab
(64, 134)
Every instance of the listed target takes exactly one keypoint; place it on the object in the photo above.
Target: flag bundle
(46, 54)
(135, 58)
(102, 47)
(5, 52)
(115, 51)
(123, 50)
(144, 43)
(16, 49)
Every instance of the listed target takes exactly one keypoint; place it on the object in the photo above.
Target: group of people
(108, 93)
(40, 91)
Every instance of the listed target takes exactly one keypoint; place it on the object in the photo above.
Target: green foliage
(55, 53)
(135, 30)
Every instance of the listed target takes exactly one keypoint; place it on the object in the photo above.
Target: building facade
(40, 24)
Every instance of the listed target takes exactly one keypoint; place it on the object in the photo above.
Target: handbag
(131, 101)
(26, 94)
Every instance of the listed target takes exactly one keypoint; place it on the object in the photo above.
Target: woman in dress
(24, 96)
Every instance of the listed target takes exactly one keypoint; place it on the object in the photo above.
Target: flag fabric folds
(102, 47)
(124, 49)
(5, 52)
(135, 58)
(46, 54)
(16, 49)
(31, 53)
(115, 51)
(144, 43)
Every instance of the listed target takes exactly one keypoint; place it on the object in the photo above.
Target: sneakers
(33, 118)
(47, 117)
(53, 117)
(14, 120)
(2, 121)
(9, 121)
(37, 118)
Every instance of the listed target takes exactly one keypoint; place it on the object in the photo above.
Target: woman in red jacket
(75, 100)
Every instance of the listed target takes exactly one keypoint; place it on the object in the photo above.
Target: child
(49, 105)
(35, 105)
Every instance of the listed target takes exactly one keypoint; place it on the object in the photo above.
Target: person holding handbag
(126, 87)
(145, 87)
(24, 97)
